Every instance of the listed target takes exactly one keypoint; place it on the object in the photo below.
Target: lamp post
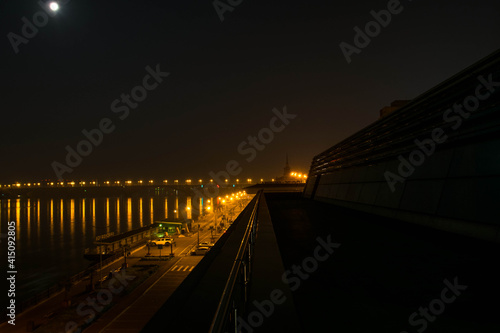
(100, 266)
(215, 219)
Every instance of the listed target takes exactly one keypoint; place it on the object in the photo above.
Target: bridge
(115, 189)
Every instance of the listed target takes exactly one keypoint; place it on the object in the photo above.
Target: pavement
(126, 313)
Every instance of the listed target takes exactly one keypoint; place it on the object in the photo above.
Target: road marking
(182, 268)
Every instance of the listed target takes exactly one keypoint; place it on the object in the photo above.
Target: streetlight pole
(100, 270)
(215, 219)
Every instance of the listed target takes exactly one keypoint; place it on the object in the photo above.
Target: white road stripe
(191, 268)
(185, 268)
(179, 268)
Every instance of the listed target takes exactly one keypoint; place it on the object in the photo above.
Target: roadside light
(161, 225)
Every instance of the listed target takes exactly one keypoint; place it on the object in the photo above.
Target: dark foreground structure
(435, 161)
(395, 231)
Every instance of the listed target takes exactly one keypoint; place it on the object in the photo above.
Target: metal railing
(231, 300)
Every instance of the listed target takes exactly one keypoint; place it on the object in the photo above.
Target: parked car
(162, 241)
(200, 251)
(205, 244)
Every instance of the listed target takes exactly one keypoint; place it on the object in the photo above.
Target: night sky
(225, 78)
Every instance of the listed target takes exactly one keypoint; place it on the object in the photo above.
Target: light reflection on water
(52, 233)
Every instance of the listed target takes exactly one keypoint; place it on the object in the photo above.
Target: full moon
(54, 6)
